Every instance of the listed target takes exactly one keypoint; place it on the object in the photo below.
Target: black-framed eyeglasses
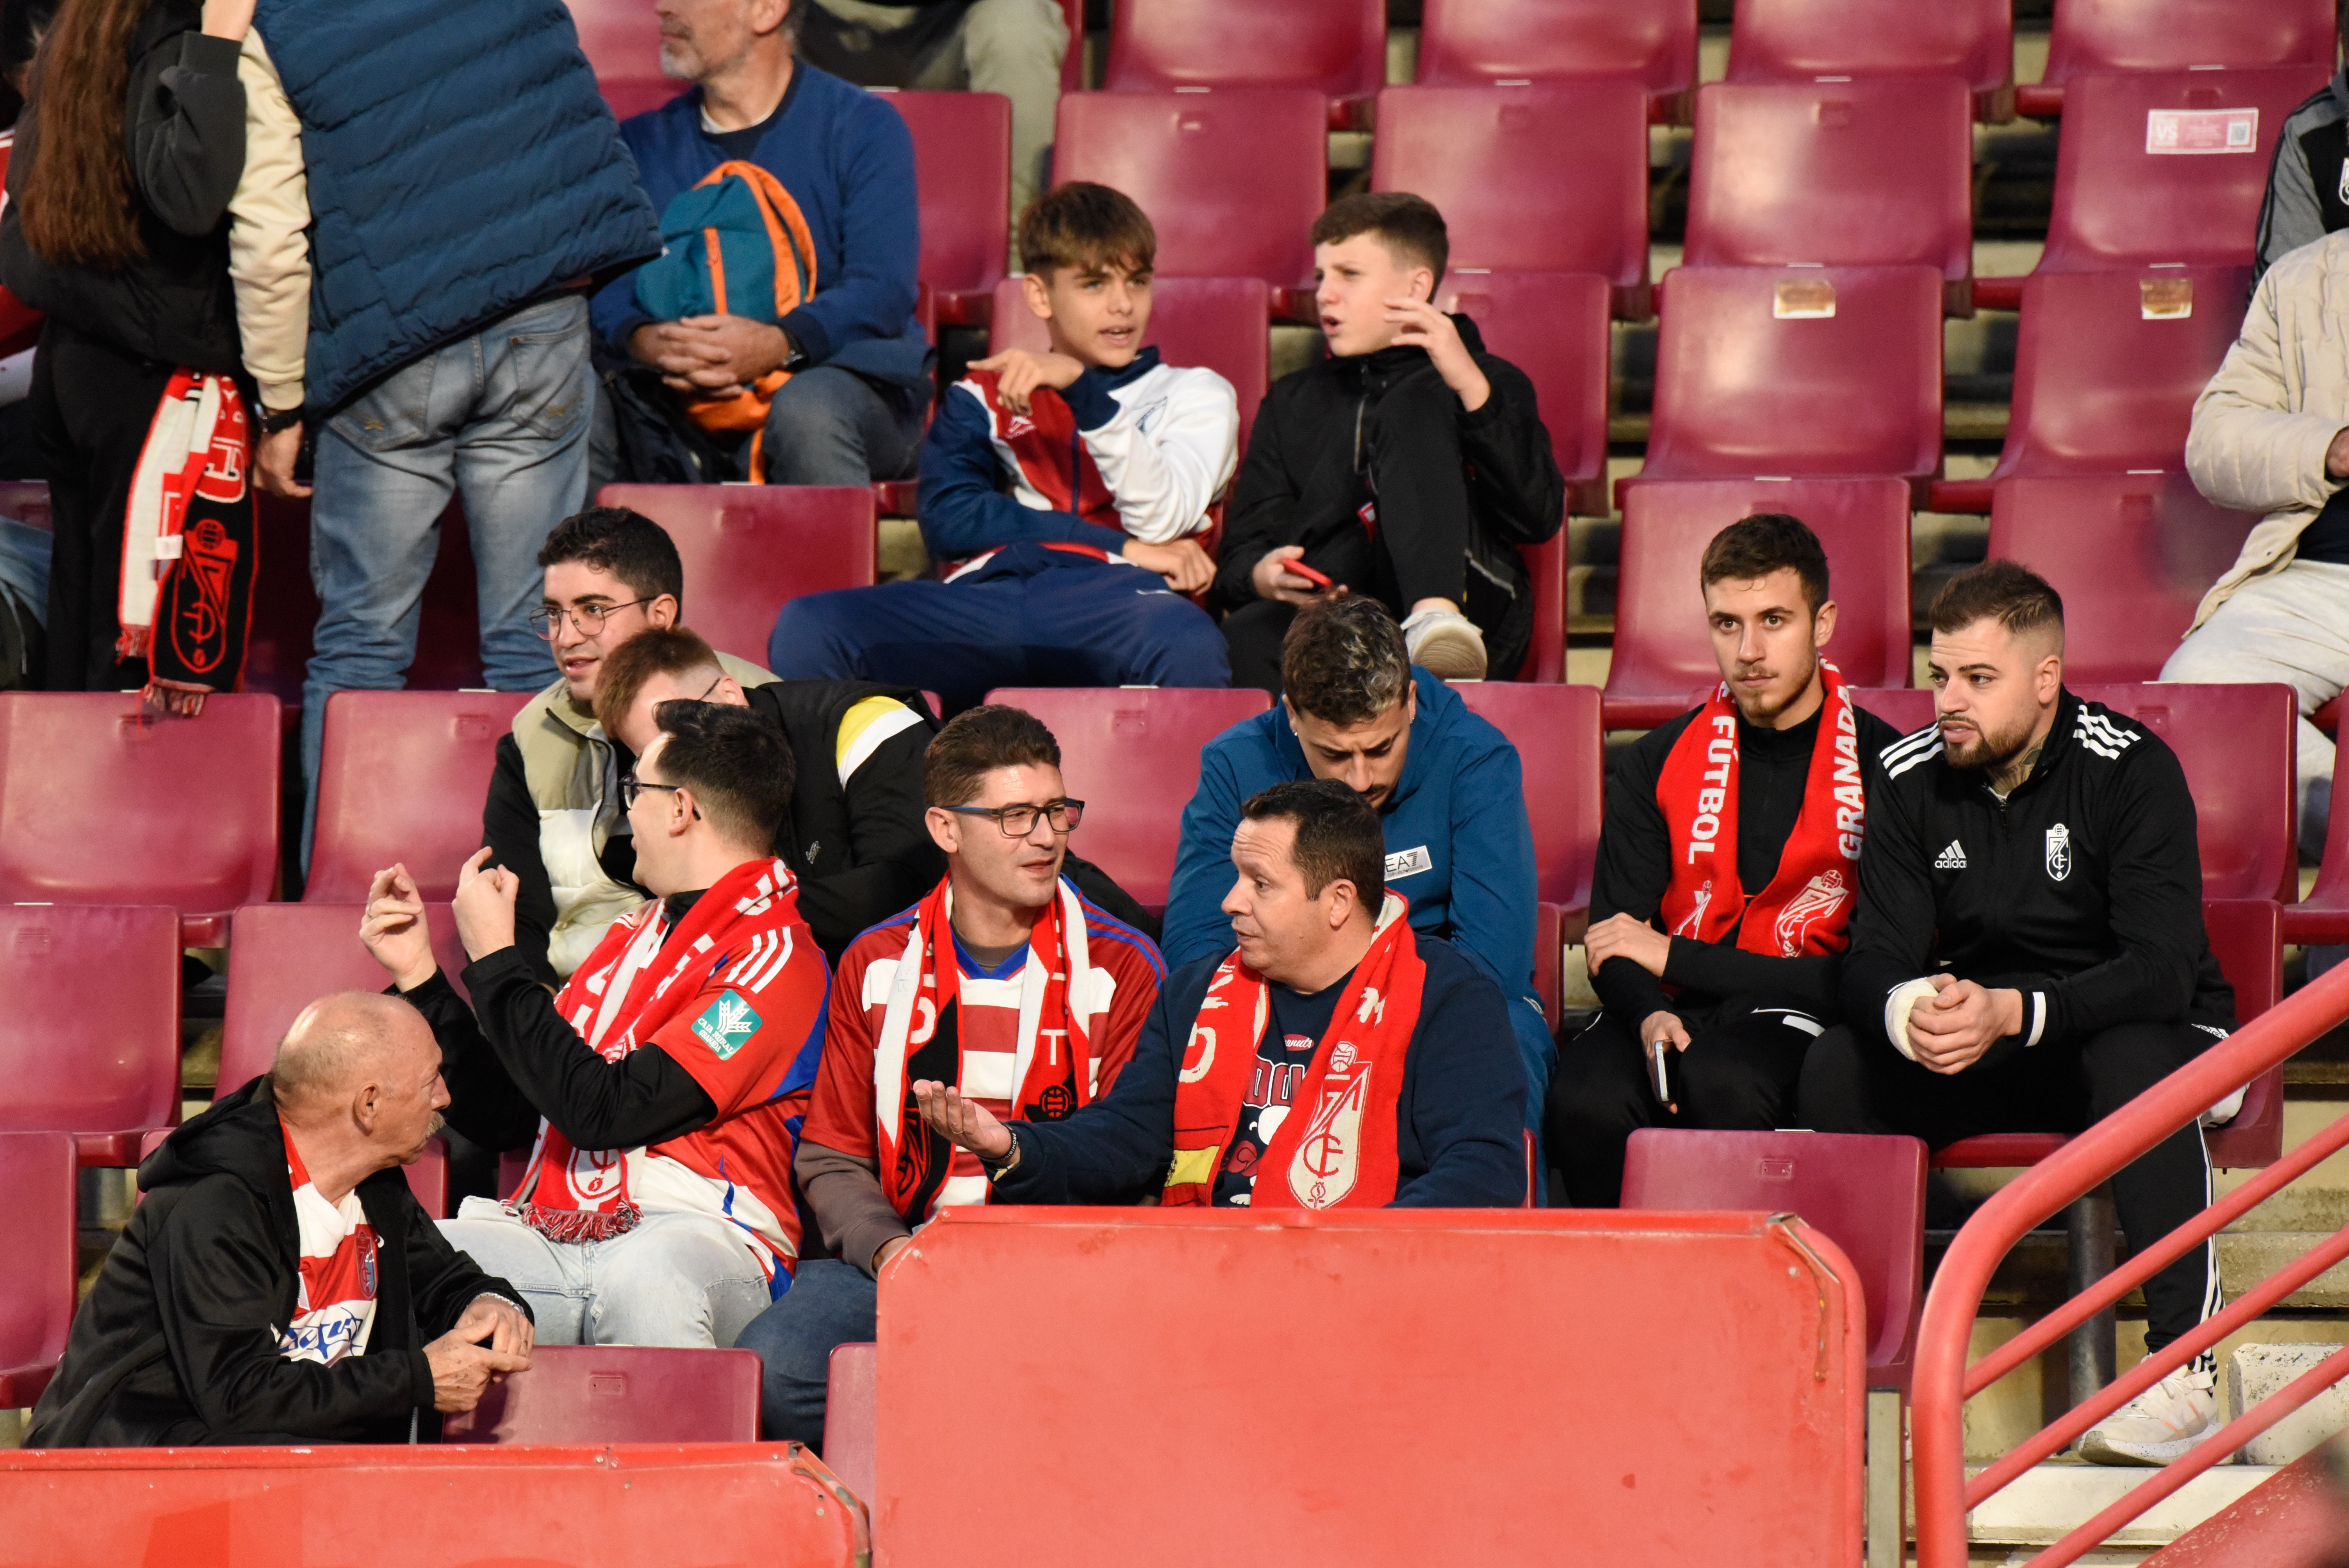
(1019, 821)
(631, 787)
(589, 618)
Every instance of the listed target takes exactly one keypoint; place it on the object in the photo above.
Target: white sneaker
(1446, 645)
(2166, 1422)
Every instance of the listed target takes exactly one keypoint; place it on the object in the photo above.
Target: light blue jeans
(676, 1279)
(500, 418)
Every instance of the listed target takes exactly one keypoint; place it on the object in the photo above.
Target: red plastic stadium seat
(2324, 915)
(2175, 36)
(1556, 731)
(1479, 43)
(1550, 959)
(1852, 173)
(618, 1394)
(2236, 744)
(962, 170)
(1796, 371)
(1811, 40)
(750, 549)
(1552, 326)
(401, 776)
(2131, 553)
(1337, 48)
(37, 1237)
(621, 39)
(1546, 177)
(1232, 178)
(1546, 653)
(1663, 663)
(89, 1041)
(848, 1415)
(1906, 709)
(287, 957)
(102, 800)
(1131, 755)
(1867, 1193)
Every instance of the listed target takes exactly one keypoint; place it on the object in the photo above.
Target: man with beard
(1722, 901)
(2029, 954)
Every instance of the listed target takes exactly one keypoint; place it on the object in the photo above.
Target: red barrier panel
(705, 1505)
(1389, 1386)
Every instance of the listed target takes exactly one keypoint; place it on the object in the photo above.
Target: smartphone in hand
(1319, 579)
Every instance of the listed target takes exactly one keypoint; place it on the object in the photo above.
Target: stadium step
(2053, 1500)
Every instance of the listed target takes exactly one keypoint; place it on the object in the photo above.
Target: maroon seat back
(1906, 709)
(1476, 43)
(1663, 663)
(1802, 40)
(2132, 555)
(621, 39)
(2130, 191)
(1563, 756)
(1232, 178)
(2236, 745)
(401, 776)
(618, 1394)
(962, 175)
(849, 1416)
(1553, 326)
(1867, 172)
(750, 549)
(39, 1238)
(1131, 755)
(103, 800)
(1754, 375)
(2177, 35)
(287, 957)
(1337, 48)
(1547, 177)
(1867, 1193)
(89, 1041)
(286, 606)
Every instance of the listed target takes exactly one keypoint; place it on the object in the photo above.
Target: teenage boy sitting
(1407, 466)
(1045, 479)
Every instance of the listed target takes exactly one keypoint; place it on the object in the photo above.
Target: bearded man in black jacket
(280, 1284)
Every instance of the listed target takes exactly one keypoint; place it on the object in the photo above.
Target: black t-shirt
(1291, 1037)
(2326, 536)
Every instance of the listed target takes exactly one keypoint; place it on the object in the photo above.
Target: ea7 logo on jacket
(726, 1025)
(1409, 862)
(2059, 852)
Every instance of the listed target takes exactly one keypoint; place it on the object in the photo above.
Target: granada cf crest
(1328, 1157)
(1820, 898)
(2059, 852)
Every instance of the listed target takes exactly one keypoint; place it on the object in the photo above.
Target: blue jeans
(500, 418)
(676, 1279)
(833, 427)
(830, 1302)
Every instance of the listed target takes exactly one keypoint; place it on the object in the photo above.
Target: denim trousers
(830, 1302)
(499, 417)
(676, 1279)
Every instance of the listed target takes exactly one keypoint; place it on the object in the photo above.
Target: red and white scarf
(1053, 1080)
(1806, 908)
(623, 996)
(1337, 1146)
(333, 1305)
(185, 603)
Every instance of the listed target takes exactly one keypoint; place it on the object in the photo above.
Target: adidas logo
(1953, 859)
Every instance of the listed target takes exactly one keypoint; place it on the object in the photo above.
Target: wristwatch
(997, 1173)
(283, 419)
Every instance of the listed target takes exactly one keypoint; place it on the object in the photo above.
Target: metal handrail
(1943, 1382)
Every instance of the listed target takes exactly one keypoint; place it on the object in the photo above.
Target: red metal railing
(1944, 1382)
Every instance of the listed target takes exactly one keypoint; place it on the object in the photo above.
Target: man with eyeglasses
(1004, 980)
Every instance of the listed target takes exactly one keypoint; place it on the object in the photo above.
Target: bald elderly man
(279, 1284)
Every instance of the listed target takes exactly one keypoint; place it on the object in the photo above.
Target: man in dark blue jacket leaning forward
(858, 360)
(1445, 784)
(1325, 1055)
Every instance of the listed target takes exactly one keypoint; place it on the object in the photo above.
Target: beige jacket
(2263, 425)
(268, 243)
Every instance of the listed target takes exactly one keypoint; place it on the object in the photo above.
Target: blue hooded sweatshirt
(1459, 847)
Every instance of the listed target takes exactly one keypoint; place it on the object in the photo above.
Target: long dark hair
(75, 204)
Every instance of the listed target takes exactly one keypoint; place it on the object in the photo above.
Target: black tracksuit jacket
(2083, 889)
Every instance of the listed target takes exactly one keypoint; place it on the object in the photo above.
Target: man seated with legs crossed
(1004, 981)
(1735, 828)
(1045, 479)
(280, 1284)
(2029, 955)
(664, 1082)
(1377, 1070)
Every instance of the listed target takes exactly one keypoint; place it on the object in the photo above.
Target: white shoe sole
(1452, 652)
(2098, 1450)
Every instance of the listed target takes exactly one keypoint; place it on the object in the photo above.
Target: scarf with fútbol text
(1806, 908)
(920, 1038)
(623, 996)
(188, 544)
(1336, 1145)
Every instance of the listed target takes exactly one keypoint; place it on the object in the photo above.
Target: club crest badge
(727, 1026)
(2059, 852)
(1819, 900)
(1328, 1157)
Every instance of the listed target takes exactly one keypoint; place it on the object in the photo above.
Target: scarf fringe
(578, 1224)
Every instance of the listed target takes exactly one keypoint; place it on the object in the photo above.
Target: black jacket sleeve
(1893, 929)
(1514, 482)
(1263, 507)
(895, 859)
(187, 131)
(510, 831)
(1464, 1099)
(1633, 869)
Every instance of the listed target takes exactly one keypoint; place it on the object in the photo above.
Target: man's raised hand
(1019, 372)
(392, 928)
(484, 907)
(965, 1123)
(1424, 326)
(1621, 936)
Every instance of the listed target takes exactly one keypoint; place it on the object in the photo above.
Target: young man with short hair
(1045, 479)
(664, 1083)
(1377, 1069)
(1003, 981)
(2028, 953)
(1406, 466)
(554, 816)
(1727, 869)
(1445, 785)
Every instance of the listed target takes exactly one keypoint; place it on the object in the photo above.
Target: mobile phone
(1308, 574)
(1658, 1053)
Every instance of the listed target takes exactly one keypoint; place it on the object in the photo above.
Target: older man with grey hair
(279, 1282)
